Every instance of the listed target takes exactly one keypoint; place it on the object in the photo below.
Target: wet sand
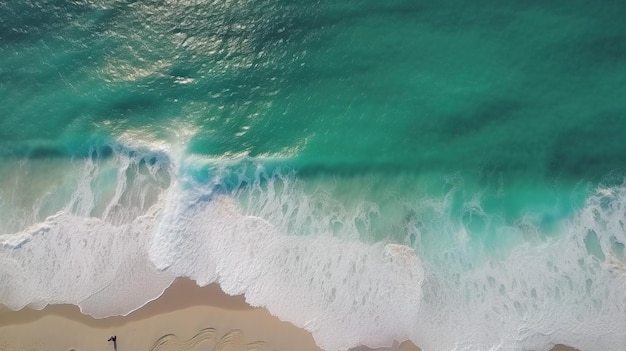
(185, 318)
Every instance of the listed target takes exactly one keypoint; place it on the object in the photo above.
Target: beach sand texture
(185, 318)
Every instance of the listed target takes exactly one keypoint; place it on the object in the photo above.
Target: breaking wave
(354, 266)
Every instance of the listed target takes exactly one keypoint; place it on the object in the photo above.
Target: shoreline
(184, 318)
(183, 312)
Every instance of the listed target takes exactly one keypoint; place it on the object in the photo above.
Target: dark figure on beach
(114, 339)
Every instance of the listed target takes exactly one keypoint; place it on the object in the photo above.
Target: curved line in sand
(231, 341)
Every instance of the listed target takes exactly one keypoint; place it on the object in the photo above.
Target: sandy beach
(185, 318)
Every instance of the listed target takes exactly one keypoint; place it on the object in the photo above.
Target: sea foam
(566, 288)
(93, 251)
(126, 221)
(339, 291)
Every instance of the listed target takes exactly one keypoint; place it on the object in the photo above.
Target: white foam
(98, 263)
(539, 294)
(99, 267)
(133, 222)
(528, 295)
(345, 293)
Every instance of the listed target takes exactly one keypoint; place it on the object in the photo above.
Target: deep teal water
(500, 118)
(524, 90)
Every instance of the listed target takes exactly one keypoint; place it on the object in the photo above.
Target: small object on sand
(114, 339)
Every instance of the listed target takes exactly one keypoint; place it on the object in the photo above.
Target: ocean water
(443, 172)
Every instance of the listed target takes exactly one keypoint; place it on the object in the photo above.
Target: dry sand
(185, 318)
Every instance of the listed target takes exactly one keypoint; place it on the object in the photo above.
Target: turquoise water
(486, 137)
